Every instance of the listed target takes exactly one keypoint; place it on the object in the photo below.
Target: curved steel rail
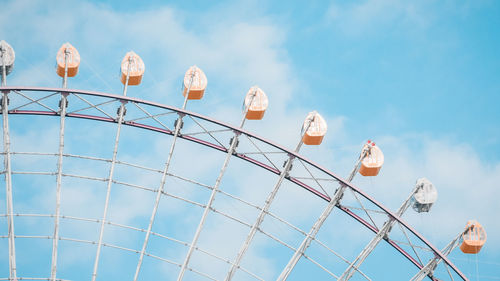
(217, 146)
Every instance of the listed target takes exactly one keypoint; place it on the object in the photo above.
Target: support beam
(230, 151)
(121, 114)
(265, 210)
(381, 234)
(8, 177)
(63, 103)
(178, 126)
(299, 252)
(429, 268)
(8, 188)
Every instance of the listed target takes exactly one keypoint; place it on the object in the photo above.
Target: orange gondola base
(372, 163)
(473, 237)
(255, 115)
(67, 57)
(312, 140)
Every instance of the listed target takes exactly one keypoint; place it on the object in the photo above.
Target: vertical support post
(316, 227)
(230, 151)
(265, 209)
(178, 127)
(121, 114)
(8, 175)
(381, 234)
(63, 104)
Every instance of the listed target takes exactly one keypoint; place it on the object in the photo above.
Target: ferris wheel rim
(7, 89)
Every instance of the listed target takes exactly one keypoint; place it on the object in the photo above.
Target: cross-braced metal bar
(269, 200)
(35, 101)
(381, 234)
(262, 214)
(429, 268)
(321, 220)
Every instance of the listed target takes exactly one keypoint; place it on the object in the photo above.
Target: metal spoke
(263, 212)
(320, 266)
(63, 103)
(58, 186)
(320, 221)
(121, 113)
(229, 153)
(178, 127)
(429, 268)
(8, 182)
(381, 234)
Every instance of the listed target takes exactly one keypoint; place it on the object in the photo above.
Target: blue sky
(420, 78)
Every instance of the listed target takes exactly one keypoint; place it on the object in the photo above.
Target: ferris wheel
(102, 186)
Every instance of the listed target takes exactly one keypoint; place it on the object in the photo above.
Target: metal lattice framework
(179, 124)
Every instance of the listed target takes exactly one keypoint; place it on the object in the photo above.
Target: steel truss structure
(334, 191)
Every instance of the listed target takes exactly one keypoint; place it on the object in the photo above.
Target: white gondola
(425, 196)
(255, 104)
(313, 129)
(195, 81)
(7, 57)
(134, 66)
